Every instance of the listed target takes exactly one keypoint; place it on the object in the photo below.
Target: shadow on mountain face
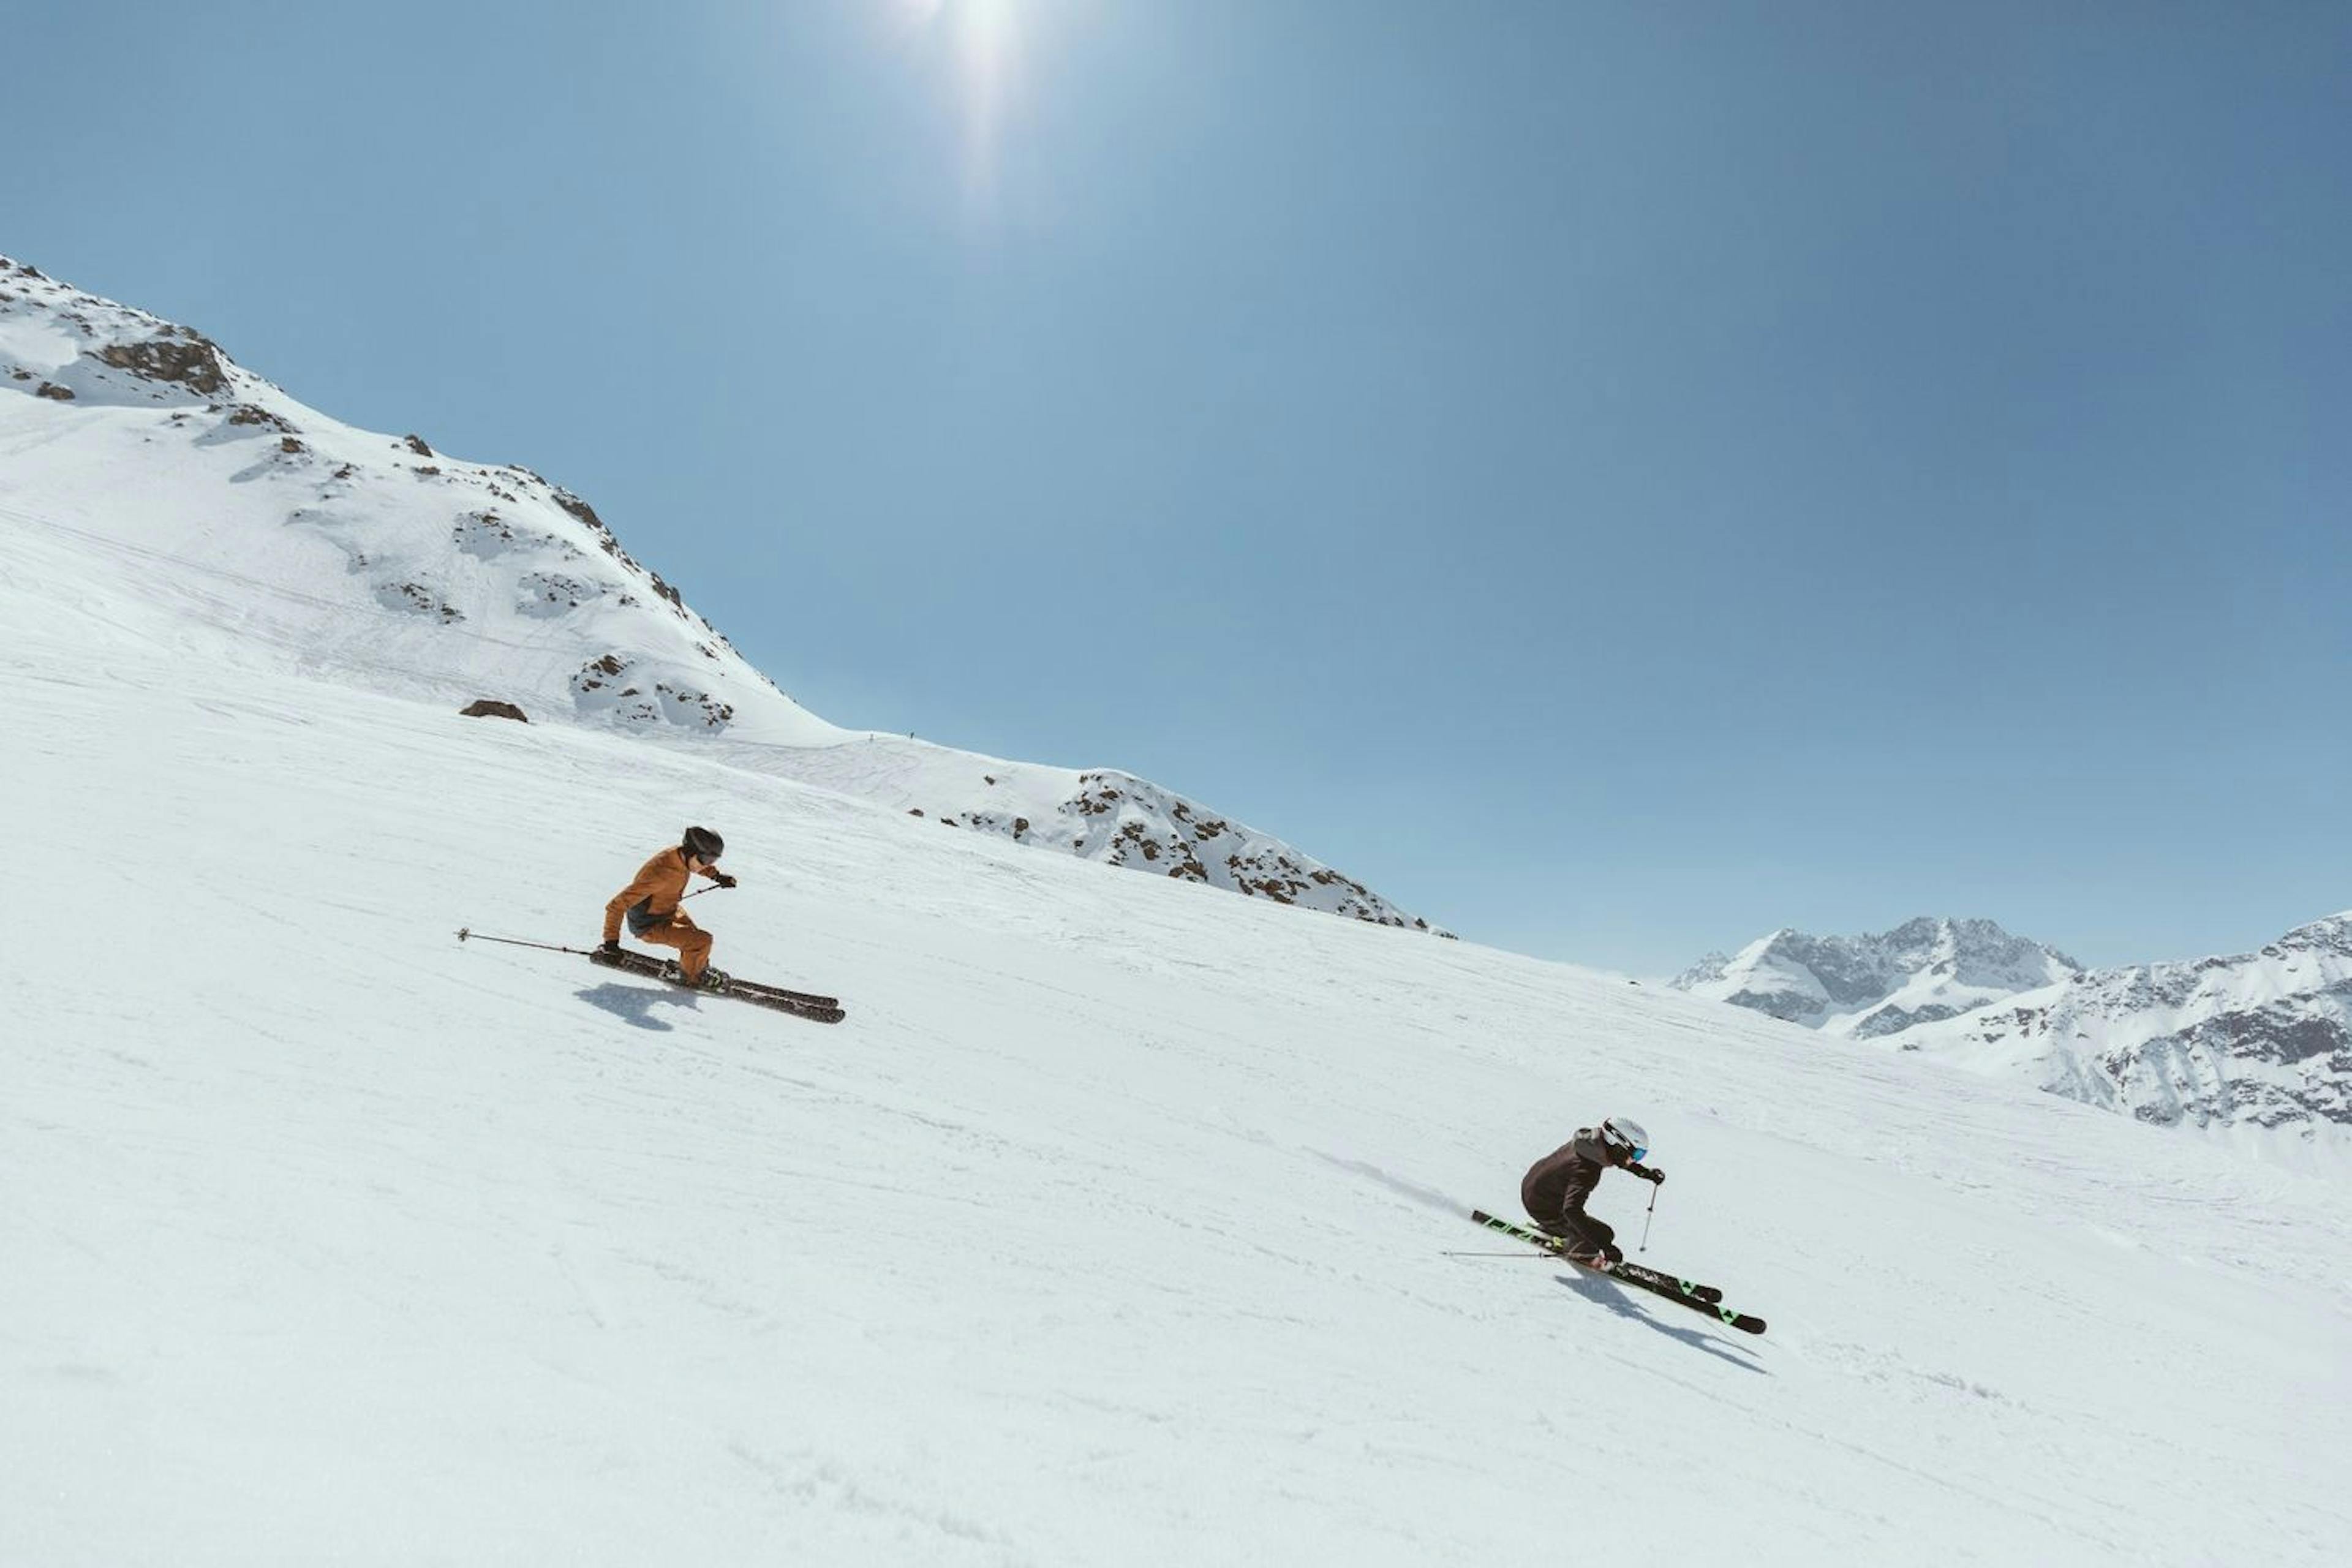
(635, 1005)
(1621, 1301)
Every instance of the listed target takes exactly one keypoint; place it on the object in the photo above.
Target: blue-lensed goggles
(1637, 1155)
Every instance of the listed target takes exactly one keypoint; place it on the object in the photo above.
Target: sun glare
(985, 36)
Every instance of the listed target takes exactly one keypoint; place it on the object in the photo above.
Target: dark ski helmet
(1625, 1135)
(701, 843)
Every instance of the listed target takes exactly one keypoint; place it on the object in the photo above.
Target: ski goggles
(1636, 1153)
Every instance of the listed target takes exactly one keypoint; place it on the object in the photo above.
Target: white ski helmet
(1624, 1132)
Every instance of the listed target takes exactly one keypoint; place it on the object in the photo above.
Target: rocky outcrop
(180, 356)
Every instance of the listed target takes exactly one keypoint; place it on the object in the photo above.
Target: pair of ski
(1689, 1292)
(807, 1005)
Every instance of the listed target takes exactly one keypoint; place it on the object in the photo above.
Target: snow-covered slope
(302, 543)
(1864, 986)
(1113, 1227)
(2259, 1039)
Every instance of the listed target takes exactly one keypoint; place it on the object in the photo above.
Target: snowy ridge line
(840, 765)
(375, 560)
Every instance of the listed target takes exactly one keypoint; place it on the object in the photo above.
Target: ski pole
(466, 935)
(1645, 1218)
(1540, 1256)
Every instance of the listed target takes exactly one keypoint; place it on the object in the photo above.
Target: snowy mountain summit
(299, 542)
(2260, 1039)
(1865, 987)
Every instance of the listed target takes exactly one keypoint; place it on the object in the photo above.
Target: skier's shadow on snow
(635, 1005)
(1622, 1302)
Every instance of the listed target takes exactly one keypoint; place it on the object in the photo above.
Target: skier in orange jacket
(649, 903)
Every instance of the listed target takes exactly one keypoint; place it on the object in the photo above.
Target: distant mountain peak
(1928, 967)
(2261, 1038)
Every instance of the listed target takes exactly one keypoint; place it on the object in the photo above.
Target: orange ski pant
(693, 944)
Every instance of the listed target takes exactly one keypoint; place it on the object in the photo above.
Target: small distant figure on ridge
(649, 903)
(1555, 1186)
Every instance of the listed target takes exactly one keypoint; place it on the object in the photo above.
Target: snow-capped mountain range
(2255, 1040)
(380, 562)
(1869, 985)
(2260, 1039)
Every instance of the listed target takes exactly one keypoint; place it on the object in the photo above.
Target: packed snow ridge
(1873, 985)
(381, 562)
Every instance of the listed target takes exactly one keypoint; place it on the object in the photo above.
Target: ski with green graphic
(1689, 1292)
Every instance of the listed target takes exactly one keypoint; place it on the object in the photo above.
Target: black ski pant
(1582, 1233)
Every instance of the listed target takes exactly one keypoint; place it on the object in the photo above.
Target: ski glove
(609, 948)
(1654, 1178)
(722, 879)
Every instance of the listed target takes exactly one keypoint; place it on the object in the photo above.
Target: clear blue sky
(1617, 478)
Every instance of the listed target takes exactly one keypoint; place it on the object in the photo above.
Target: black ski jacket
(1560, 1182)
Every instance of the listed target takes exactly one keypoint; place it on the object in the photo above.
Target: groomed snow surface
(1111, 1227)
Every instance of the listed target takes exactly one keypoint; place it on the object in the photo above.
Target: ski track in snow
(1109, 1227)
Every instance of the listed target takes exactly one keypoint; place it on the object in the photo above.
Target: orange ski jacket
(652, 897)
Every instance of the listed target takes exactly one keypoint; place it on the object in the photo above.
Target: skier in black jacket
(1555, 1186)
